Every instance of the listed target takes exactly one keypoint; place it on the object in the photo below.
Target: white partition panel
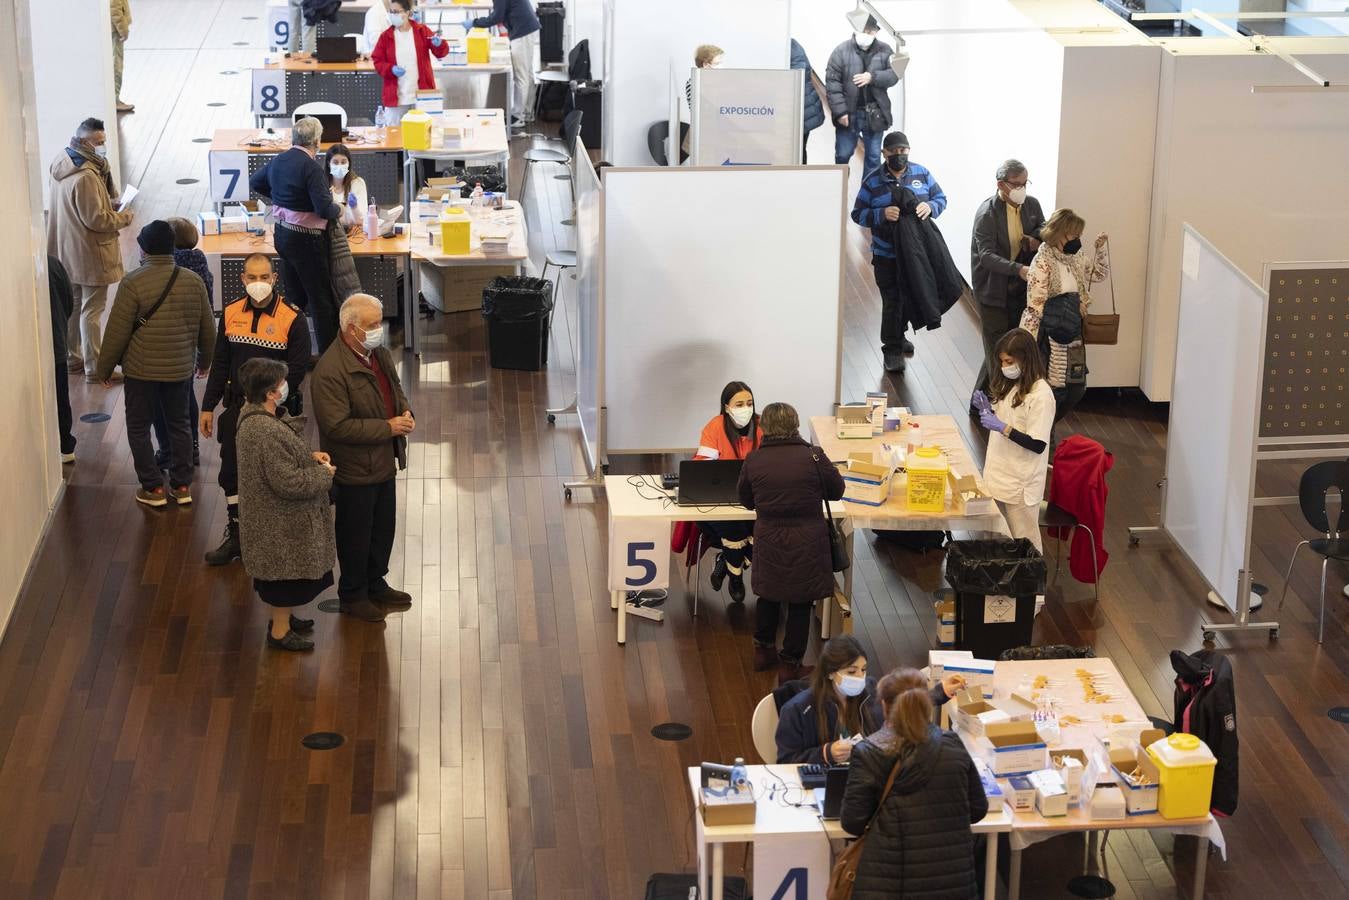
(1211, 439)
(746, 117)
(715, 274)
(588, 276)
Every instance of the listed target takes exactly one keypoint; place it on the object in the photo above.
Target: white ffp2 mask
(740, 415)
(258, 291)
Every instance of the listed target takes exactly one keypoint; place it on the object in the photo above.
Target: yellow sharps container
(416, 130)
(927, 480)
(454, 228)
(479, 46)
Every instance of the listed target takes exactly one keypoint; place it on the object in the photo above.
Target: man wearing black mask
(876, 208)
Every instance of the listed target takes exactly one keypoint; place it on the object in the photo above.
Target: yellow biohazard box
(927, 469)
(1185, 765)
(416, 130)
(479, 46)
(454, 228)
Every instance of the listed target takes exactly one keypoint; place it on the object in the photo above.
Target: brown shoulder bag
(844, 873)
(1103, 328)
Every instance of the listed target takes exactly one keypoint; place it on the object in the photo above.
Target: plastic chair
(320, 108)
(764, 730)
(546, 76)
(1311, 493)
(571, 127)
(1055, 516)
(655, 141)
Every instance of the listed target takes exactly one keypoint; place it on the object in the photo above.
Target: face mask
(851, 685)
(373, 338)
(863, 40)
(1011, 373)
(897, 162)
(339, 170)
(258, 291)
(398, 20)
(1072, 246)
(1017, 195)
(740, 415)
(101, 151)
(284, 391)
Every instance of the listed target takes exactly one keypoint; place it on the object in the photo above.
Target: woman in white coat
(1019, 415)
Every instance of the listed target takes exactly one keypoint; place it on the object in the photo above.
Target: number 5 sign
(229, 175)
(269, 92)
(639, 554)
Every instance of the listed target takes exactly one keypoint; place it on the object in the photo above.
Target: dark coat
(814, 109)
(921, 847)
(928, 280)
(353, 423)
(847, 60)
(1206, 707)
(782, 480)
(798, 733)
(994, 266)
(179, 337)
(62, 297)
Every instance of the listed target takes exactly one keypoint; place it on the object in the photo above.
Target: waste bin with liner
(995, 583)
(518, 310)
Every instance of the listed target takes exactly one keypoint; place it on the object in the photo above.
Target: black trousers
(162, 425)
(306, 265)
(766, 616)
(143, 400)
(738, 534)
(893, 323)
(994, 322)
(65, 419)
(364, 529)
(226, 427)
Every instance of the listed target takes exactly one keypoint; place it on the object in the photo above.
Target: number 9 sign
(639, 554)
(278, 26)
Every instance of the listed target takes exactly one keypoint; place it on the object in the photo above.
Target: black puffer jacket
(782, 480)
(929, 282)
(921, 847)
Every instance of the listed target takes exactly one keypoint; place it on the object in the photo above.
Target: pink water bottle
(371, 223)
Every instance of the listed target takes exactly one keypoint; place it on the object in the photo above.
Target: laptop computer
(709, 482)
(332, 126)
(830, 798)
(336, 50)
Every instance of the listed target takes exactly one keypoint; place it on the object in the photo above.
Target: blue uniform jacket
(875, 195)
(517, 15)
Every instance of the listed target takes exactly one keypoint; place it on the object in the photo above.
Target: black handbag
(838, 551)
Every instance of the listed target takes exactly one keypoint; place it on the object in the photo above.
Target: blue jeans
(845, 145)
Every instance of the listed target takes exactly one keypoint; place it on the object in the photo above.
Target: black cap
(156, 239)
(895, 139)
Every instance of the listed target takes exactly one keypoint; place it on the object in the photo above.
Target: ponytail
(904, 696)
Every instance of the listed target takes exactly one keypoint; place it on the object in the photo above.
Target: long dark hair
(340, 150)
(1021, 346)
(838, 653)
(732, 433)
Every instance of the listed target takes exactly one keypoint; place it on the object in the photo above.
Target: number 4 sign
(639, 554)
(269, 92)
(229, 175)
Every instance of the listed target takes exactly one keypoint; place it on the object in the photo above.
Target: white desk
(488, 140)
(776, 819)
(1030, 827)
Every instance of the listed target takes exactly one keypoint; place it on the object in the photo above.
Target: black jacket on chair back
(1206, 707)
(921, 847)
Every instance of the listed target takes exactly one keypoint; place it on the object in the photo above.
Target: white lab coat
(351, 216)
(376, 23)
(1013, 474)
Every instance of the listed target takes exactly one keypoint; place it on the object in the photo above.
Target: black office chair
(1311, 492)
(1054, 516)
(655, 141)
(571, 127)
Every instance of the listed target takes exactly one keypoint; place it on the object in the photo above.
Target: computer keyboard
(812, 775)
(670, 480)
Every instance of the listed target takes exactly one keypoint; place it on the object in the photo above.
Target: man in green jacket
(160, 327)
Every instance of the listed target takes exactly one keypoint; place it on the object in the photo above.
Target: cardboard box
(978, 673)
(1013, 748)
(852, 421)
(1051, 796)
(966, 486)
(1020, 793)
(458, 288)
(236, 224)
(1072, 765)
(992, 790)
(436, 188)
(734, 809)
(865, 481)
(841, 614)
(971, 713)
(1139, 799)
(1107, 802)
(938, 659)
(208, 223)
(876, 403)
(946, 623)
(430, 102)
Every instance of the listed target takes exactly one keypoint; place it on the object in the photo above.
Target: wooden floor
(497, 740)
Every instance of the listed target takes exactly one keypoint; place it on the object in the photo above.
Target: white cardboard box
(937, 660)
(1051, 796)
(236, 224)
(1014, 748)
(978, 673)
(208, 223)
(1020, 793)
(1107, 802)
(1072, 765)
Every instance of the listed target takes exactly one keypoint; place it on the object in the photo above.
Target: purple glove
(351, 200)
(398, 71)
(979, 400)
(990, 420)
(437, 40)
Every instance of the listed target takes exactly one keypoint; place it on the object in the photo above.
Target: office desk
(376, 157)
(776, 820)
(489, 141)
(376, 261)
(1030, 827)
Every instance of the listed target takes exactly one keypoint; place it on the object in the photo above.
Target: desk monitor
(835, 782)
(336, 50)
(709, 482)
(331, 122)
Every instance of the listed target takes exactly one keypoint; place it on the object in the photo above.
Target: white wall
(646, 39)
(1262, 176)
(29, 453)
(585, 21)
(72, 53)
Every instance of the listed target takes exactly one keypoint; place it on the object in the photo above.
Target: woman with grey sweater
(285, 520)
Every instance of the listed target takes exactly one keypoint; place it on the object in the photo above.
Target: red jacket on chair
(385, 57)
(1079, 487)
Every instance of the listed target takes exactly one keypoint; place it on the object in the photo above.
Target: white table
(776, 819)
(1030, 827)
(488, 140)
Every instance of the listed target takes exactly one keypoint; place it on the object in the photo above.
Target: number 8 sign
(269, 92)
(639, 554)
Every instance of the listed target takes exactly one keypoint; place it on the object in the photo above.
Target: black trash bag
(1001, 567)
(490, 177)
(517, 298)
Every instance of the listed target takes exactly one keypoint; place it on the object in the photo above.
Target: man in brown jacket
(364, 421)
(161, 326)
(82, 232)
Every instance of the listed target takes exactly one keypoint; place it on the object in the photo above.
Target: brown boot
(765, 658)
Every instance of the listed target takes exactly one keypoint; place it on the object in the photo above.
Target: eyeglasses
(1026, 183)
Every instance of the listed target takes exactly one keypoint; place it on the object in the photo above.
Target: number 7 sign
(229, 175)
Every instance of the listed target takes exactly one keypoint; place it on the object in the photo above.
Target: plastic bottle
(739, 776)
(371, 223)
(475, 199)
(914, 437)
(381, 125)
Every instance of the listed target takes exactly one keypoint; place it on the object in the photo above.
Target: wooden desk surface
(243, 244)
(366, 140)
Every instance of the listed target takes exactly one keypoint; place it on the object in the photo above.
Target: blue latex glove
(990, 420)
(398, 71)
(351, 200)
(437, 41)
(979, 400)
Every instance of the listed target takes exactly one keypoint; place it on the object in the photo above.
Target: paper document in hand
(128, 194)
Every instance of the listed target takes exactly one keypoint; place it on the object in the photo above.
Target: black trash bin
(995, 583)
(518, 310)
